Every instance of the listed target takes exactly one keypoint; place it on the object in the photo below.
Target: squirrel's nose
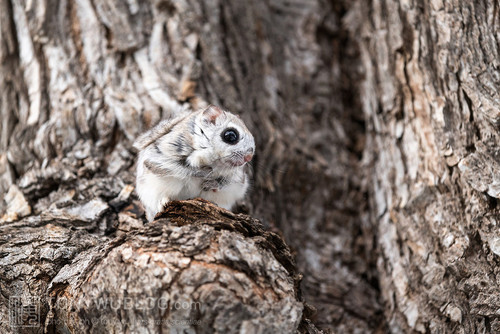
(248, 157)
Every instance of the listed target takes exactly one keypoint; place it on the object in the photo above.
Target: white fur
(228, 196)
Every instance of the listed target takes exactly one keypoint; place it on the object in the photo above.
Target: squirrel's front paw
(203, 171)
(208, 185)
(213, 185)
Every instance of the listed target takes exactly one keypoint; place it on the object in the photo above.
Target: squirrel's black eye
(230, 136)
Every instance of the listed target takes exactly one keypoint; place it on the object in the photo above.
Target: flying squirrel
(197, 154)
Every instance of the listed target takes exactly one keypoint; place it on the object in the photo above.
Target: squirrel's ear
(211, 113)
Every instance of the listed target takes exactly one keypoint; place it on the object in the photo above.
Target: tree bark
(81, 79)
(376, 128)
(431, 99)
(197, 268)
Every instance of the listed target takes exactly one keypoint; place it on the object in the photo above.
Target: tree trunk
(80, 81)
(198, 268)
(376, 129)
(431, 101)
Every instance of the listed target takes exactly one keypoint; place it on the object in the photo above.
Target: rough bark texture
(376, 125)
(81, 79)
(198, 268)
(431, 100)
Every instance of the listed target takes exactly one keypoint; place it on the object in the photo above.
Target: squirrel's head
(226, 134)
